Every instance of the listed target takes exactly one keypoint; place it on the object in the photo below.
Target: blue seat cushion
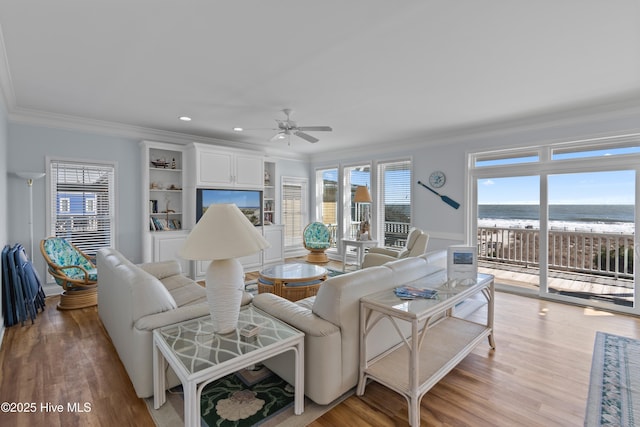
(318, 245)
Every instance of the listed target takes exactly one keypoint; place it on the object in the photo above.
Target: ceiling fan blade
(306, 136)
(277, 136)
(315, 128)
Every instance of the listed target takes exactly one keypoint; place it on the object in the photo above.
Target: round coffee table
(292, 281)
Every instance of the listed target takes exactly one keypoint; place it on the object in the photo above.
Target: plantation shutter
(396, 201)
(293, 211)
(82, 204)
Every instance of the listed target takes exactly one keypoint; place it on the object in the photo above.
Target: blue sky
(594, 188)
(397, 192)
(242, 199)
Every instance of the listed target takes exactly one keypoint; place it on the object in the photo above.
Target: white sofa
(330, 321)
(133, 300)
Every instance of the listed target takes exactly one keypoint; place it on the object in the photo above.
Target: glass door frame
(538, 161)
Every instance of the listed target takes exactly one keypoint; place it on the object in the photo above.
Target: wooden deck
(566, 283)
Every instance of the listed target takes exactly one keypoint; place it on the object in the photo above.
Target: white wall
(4, 200)
(444, 224)
(28, 148)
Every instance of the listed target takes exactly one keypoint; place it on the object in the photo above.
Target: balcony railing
(605, 254)
(395, 233)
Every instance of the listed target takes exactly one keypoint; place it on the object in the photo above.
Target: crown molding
(60, 121)
(627, 105)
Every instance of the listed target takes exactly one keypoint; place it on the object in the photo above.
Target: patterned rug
(240, 396)
(614, 385)
(232, 401)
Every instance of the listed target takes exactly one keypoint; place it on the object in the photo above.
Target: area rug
(260, 392)
(331, 272)
(614, 385)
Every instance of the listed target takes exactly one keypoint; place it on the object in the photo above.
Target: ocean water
(595, 218)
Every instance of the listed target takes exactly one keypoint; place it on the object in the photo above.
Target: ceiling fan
(288, 127)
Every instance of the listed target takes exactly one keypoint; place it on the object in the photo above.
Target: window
(64, 205)
(82, 204)
(327, 192)
(294, 212)
(90, 205)
(395, 201)
(356, 212)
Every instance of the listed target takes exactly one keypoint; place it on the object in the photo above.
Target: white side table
(198, 356)
(360, 245)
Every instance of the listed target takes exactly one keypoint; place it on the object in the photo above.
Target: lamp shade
(362, 195)
(223, 232)
(30, 175)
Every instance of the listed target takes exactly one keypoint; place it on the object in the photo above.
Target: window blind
(396, 201)
(294, 217)
(82, 204)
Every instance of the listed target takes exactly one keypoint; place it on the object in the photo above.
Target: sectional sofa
(330, 321)
(133, 300)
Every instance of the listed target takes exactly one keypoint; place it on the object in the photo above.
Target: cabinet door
(215, 168)
(274, 234)
(166, 248)
(251, 262)
(249, 171)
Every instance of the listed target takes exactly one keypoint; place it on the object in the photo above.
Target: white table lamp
(222, 235)
(30, 177)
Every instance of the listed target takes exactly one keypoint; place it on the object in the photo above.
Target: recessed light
(238, 129)
(185, 118)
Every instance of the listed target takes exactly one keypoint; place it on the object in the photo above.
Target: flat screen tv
(249, 202)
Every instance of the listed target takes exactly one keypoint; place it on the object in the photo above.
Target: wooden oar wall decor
(447, 200)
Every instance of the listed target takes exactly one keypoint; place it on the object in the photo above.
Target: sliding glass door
(590, 233)
(559, 220)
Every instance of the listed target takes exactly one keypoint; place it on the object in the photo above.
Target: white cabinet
(163, 202)
(220, 168)
(274, 234)
(166, 247)
(249, 171)
(214, 168)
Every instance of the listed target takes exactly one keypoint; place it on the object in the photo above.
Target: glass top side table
(198, 355)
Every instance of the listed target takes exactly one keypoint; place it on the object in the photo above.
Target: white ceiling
(377, 71)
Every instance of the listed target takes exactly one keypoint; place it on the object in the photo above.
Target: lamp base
(224, 286)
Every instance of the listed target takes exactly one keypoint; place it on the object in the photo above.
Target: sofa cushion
(149, 294)
(161, 270)
(184, 290)
(409, 269)
(339, 296)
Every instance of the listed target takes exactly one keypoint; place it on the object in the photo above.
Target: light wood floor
(537, 376)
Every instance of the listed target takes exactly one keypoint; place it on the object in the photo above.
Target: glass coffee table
(292, 281)
(199, 356)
